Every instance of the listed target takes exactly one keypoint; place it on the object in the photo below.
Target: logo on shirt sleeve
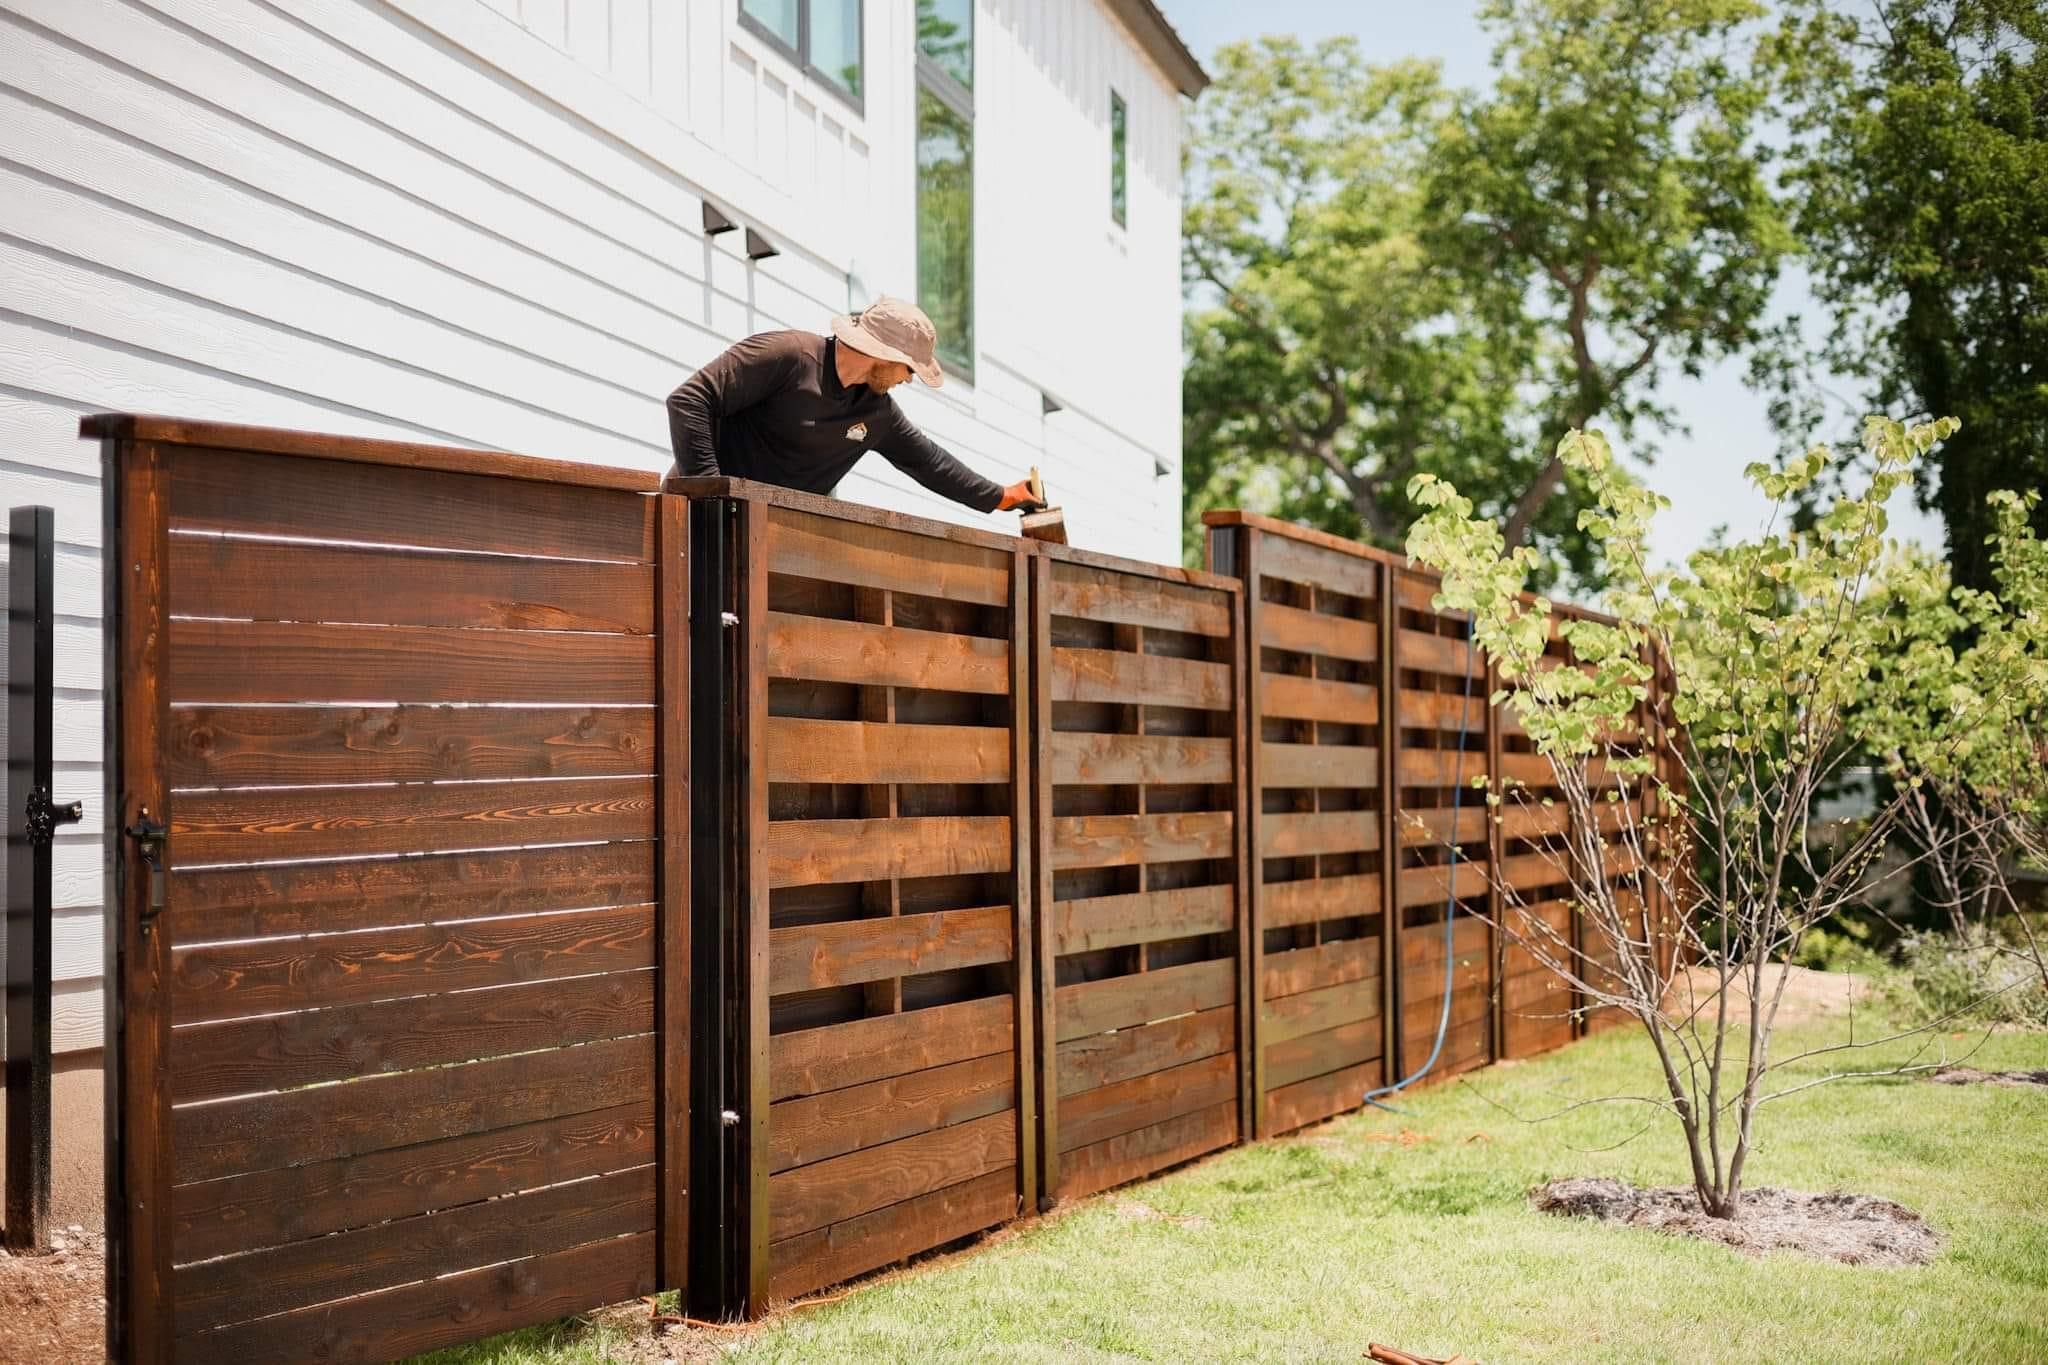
(857, 432)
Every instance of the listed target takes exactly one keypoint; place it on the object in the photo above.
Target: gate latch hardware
(149, 840)
(45, 815)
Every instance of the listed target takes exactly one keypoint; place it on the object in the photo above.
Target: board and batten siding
(478, 222)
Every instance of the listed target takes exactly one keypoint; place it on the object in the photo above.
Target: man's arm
(742, 376)
(923, 459)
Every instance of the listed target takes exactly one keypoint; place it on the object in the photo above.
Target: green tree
(1387, 278)
(1920, 177)
(1773, 642)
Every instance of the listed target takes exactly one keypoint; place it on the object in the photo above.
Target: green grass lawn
(1309, 1247)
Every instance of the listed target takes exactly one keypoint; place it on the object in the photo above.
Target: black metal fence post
(32, 820)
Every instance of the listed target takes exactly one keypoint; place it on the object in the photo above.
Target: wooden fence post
(135, 554)
(672, 917)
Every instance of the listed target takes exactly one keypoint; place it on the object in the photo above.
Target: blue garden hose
(1443, 1017)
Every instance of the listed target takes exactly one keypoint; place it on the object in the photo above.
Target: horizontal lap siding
(412, 936)
(1138, 877)
(330, 220)
(1316, 626)
(891, 752)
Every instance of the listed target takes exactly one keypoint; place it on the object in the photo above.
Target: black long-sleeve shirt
(772, 408)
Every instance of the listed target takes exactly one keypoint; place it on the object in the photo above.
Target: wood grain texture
(396, 1323)
(1080, 926)
(861, 752)
(1317, 632)
(290, 1203)
(307, 1047)
(228, 746)
(1121, 1002)
(1318, 898)
(272, 661)
(828, 1255)
(812, 852)
(1122, 840)
(1078, 757)
(1092, 1116)
(1106, 1058)
(1114, 675)
(825, 650)
(845, 953)
(1131, 1156)
(300, 1274)
(1284, 554)
(831, 1191)
(268, 580)
(812, 1061)
(1308, 833)
(1320, 966)
(1128, 599)
(1316, 1054)
(1289, 1107)
(255, 1133)
(818, 1127)
(261, 902)
(1318, 765)
(1314, 1011)
(253, 494)
(842, 550)
(276, 824)
(1298, 698)
(361, 450)
(227, 980)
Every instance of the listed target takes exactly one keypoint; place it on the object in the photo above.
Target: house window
(1116, 157)
(821, 36)
(945, 175)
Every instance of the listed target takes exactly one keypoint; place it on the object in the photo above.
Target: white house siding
(477, 222)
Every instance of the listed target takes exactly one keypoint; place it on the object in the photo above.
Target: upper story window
(945, 175)
(821, 36)
(1117, 161)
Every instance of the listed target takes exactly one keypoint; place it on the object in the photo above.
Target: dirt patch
(1809, 995)
(1855, 1229)
(1970, 1075)
(55, 1306)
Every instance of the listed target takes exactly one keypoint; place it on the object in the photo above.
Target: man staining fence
(799, 410)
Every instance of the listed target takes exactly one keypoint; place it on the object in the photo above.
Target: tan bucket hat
(890, 329)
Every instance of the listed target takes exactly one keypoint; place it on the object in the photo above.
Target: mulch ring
(1855, 1229)
(55, 1306)
(1970, 1075)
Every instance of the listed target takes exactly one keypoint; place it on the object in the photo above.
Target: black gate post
(32, 820)
(717, 1287)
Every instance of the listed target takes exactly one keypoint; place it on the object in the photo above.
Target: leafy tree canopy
(1920, 179)
(1390, 278)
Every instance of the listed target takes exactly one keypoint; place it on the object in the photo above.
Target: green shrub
(1975, 983)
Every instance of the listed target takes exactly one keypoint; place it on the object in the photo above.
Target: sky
(1727, 423)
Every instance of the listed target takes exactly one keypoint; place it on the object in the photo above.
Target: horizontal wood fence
(505, 848)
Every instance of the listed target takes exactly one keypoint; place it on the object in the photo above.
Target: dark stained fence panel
(887, 902)
(412, 938)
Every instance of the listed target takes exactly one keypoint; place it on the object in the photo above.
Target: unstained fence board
(1138, 879)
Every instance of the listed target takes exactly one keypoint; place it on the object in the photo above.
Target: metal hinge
(44, 815)
(149, 838)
